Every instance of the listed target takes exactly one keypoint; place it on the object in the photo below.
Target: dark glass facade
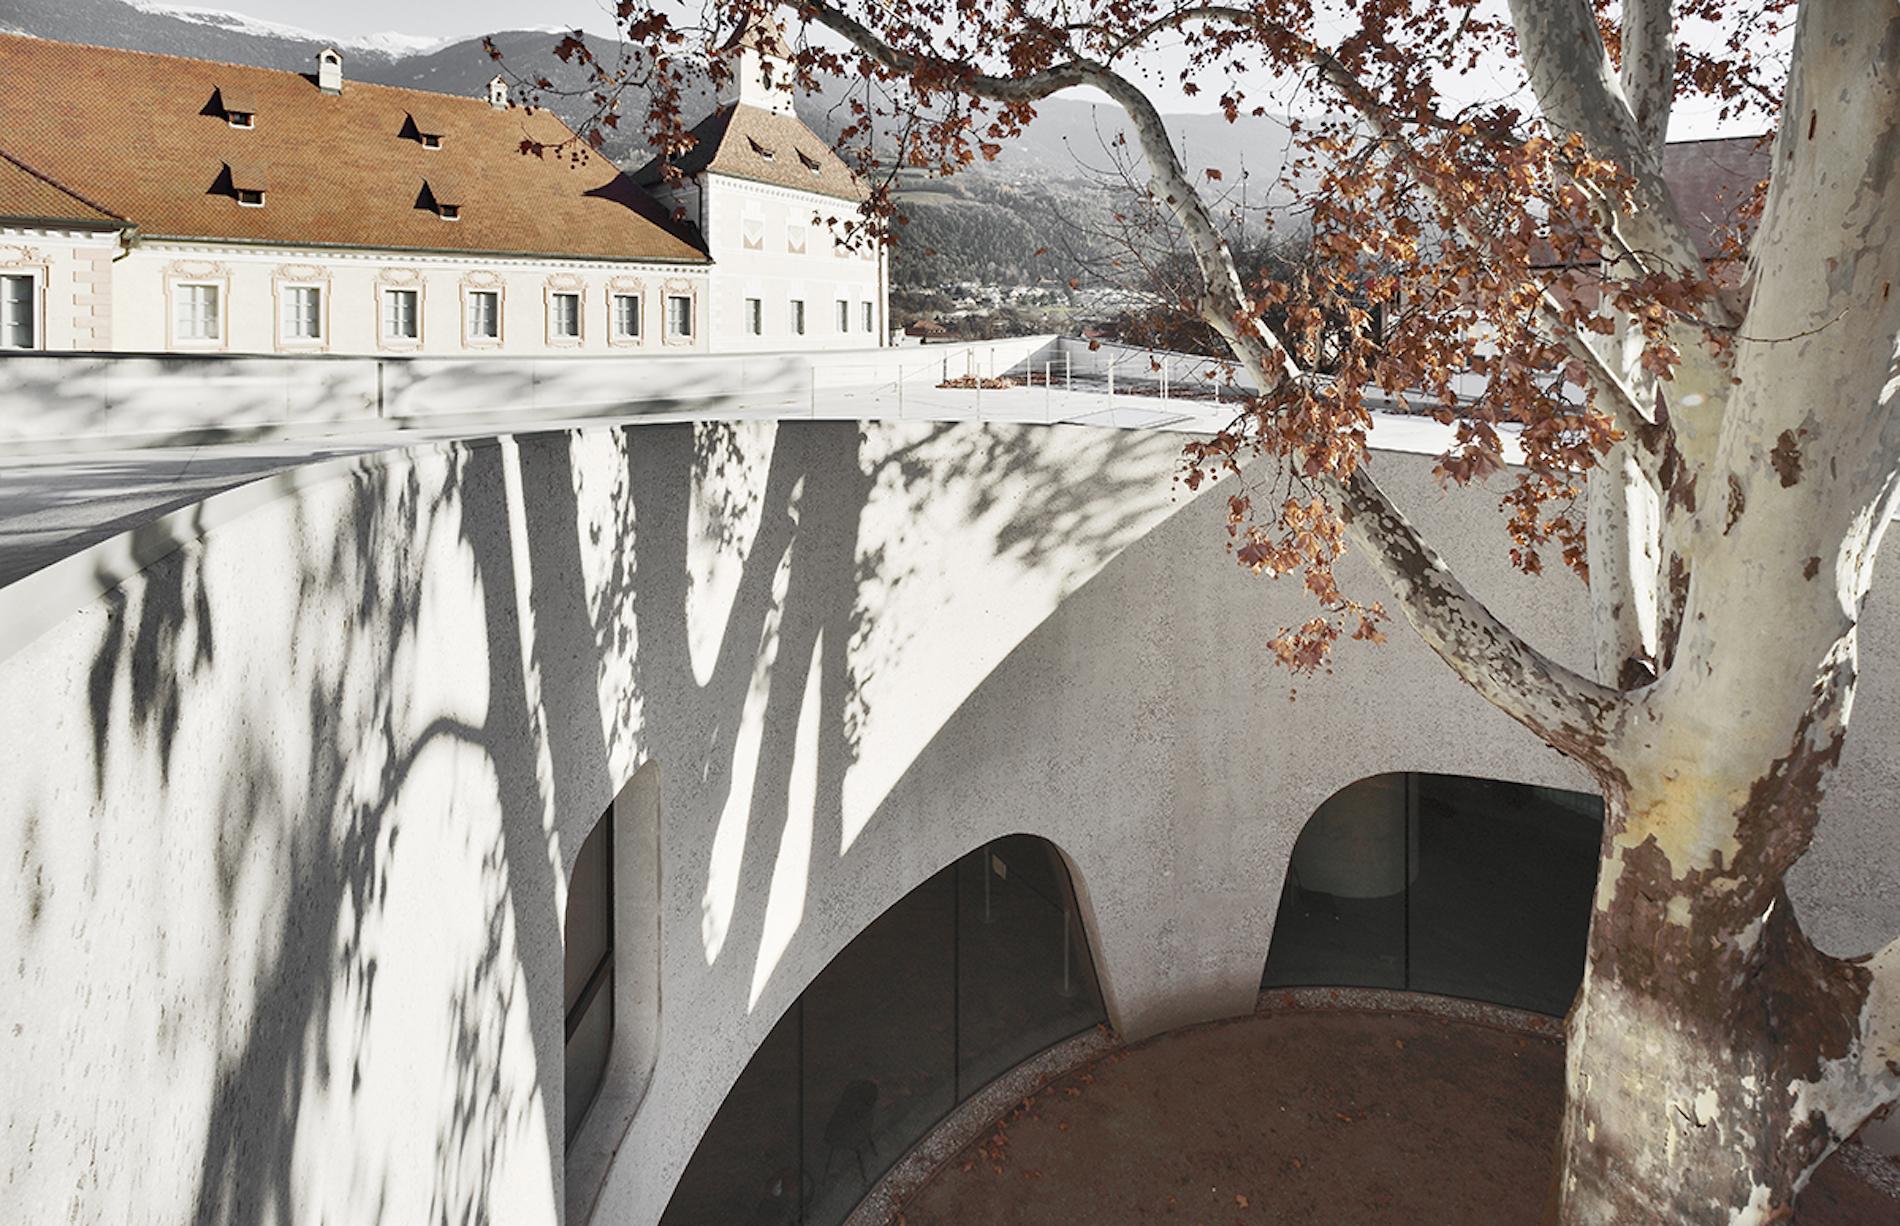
(974, 971)
(1442, 883)
(588, 971)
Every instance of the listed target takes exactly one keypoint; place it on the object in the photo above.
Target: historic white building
(157, 204)
(772, 201)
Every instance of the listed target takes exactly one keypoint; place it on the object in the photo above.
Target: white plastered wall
(252, 281)
(73, 281)
(289, 814)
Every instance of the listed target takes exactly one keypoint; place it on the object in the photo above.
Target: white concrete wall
(821, 276)
(287, 814)
(67, 402)
(72, 273)
(252, 279)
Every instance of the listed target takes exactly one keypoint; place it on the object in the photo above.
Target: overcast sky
(460, 18)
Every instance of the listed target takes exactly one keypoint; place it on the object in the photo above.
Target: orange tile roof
(28, 195)
(138, 135)
(749, 142)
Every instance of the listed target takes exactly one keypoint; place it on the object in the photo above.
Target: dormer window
(759, 149)
(443, 196)
(423, 129)
(248, 183)
(810, 162)
(239, 110)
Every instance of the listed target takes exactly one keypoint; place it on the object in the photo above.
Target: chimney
(330, 70)
(498, 93)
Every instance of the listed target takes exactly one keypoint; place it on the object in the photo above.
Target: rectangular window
(754, 317)
(302, 313)
(402, 314)
(17, 329)
(195, 313)
(679, 315)
(795, 239)
(484, 315)
(844, 316)
(870, 319)
(564, 317)
(627, 316)
(798, 317)
(752, 234)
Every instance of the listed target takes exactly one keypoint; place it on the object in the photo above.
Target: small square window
(679, 315)
(627, 317)
(484, 315)
(449, 212)
(431, 141)
(302, 313)
(798, 317)
(250, 198)
(402, 314)
(564, 317)
(241, 119)
(754, 317)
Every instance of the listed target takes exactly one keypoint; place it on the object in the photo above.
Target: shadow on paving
(1323, 1117)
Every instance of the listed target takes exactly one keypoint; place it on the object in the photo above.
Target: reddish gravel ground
(1291, 1117)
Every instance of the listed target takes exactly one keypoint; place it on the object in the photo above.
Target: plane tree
(1710, 438)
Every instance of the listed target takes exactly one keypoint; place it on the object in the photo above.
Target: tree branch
(1649, 67)
(1578, 92)
(1569, 711)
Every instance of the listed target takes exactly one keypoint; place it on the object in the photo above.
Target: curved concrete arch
(292, 780)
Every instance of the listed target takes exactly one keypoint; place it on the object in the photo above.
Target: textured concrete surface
(288, 808)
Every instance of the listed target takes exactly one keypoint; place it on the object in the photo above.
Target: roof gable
(749, 142)
(129, 131)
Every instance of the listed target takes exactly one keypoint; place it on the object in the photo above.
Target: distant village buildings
(156, 204)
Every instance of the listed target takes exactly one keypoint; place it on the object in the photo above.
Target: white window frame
(396, 340)
(35, 310)
(286, 293)
(249, 119)
(680, 335)
(174, 300)
(614, 298)
(578, 335)
(472, 339)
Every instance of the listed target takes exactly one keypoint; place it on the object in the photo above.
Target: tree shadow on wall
(787, 506)
(306, 796)
(311, 755)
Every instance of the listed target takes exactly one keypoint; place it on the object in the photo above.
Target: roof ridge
(57, 186)
(284, 72)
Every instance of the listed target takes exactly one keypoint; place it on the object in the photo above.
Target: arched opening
(972, 972)
(1476, 888)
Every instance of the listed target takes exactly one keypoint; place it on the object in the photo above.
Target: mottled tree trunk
(1713, 1054)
